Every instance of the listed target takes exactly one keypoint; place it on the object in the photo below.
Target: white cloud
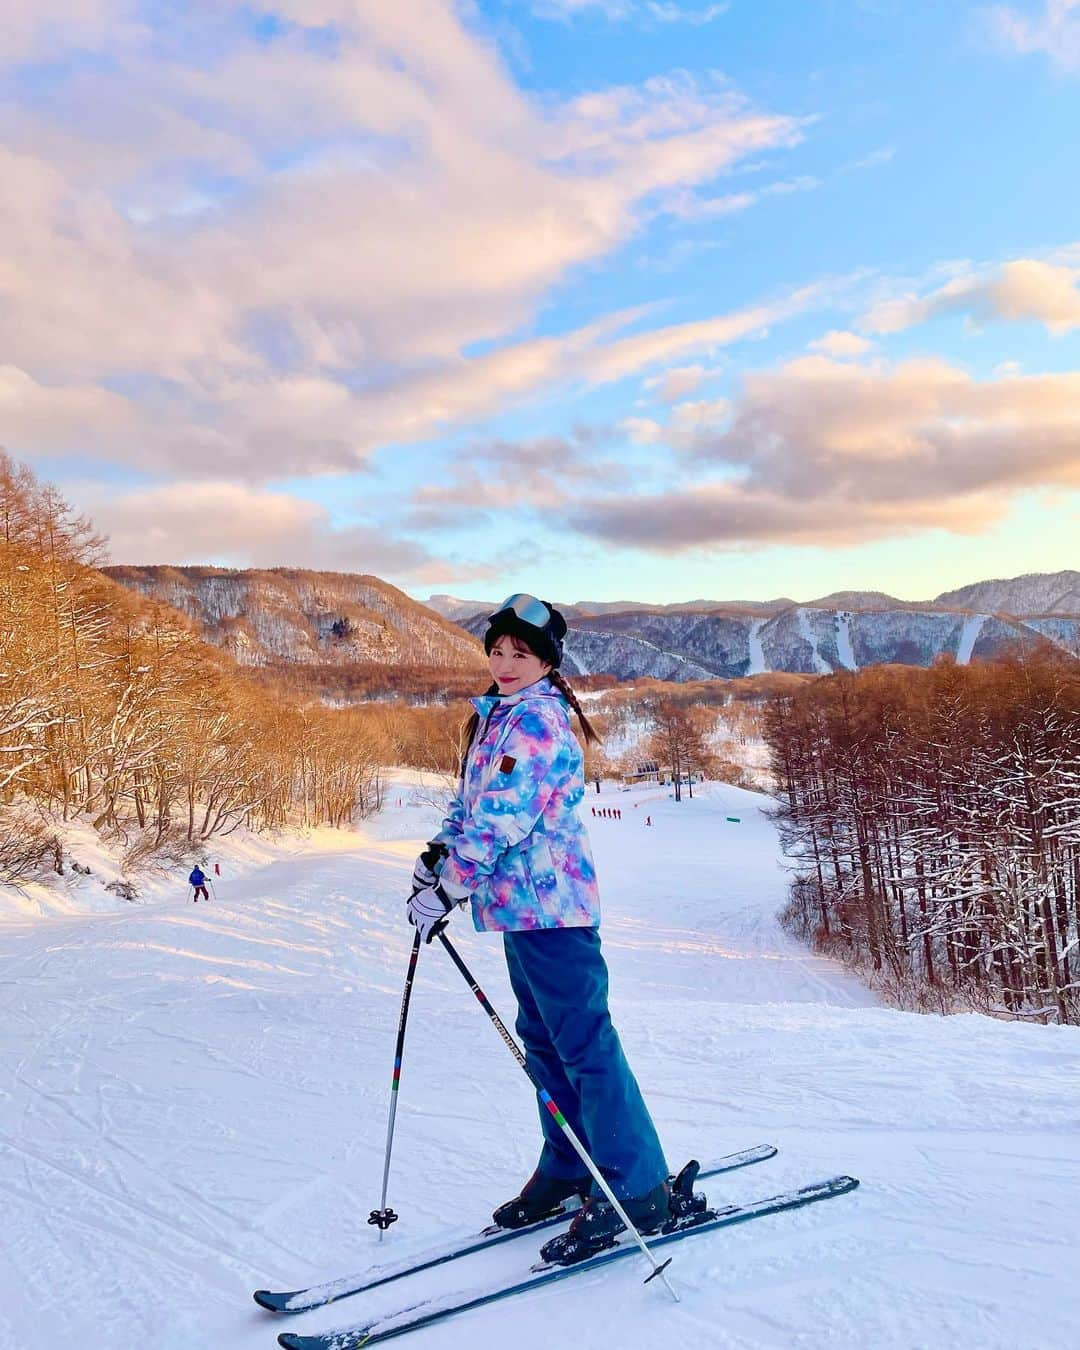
(255, 427)
(678, 382)
(52, 28)
(1055, 32)
(658, 11)
(690, 420)
(231, 525)
(228, 228)
(1024, 289)
(875, 159)
(625, 356)
(840, 344)
(667, 12)
(687, 206)
(829, 453)
(643, 430)
(57, 420)
(690, 206)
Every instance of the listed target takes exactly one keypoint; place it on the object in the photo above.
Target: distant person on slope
(198, 880)
(514, 844)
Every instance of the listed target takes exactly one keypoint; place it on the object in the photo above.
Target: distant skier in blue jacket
(198, 880)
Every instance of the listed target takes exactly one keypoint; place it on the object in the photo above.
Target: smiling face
(514, 665)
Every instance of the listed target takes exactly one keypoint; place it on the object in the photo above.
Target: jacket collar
(542, 688)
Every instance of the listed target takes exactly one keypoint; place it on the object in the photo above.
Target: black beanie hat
(545, 639)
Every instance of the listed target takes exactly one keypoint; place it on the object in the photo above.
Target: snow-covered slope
(287, 615)
(192, 1104)
(1035, 593)
(290, 614)
(812, 639)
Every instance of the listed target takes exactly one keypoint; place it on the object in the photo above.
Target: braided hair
(561, 684)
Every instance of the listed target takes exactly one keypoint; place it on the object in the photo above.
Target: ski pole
(383, 1217)
(658, 1267)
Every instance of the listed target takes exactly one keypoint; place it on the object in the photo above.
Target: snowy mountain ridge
(452, 607)
(289, 615)
(1034, 594)
(846, 630)
(806, 639)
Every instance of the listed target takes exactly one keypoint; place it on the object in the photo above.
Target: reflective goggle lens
(527, 608)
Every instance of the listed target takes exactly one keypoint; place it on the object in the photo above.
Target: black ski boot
(685, 1205)
(541, 1196)
(673, 1204)
(598, 1225)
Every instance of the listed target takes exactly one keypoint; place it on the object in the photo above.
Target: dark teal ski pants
(560, 979)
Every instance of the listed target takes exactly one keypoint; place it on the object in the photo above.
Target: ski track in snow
(821, 666)
(757, 649)
(193, 1104)
(843, 641)
(969, 635)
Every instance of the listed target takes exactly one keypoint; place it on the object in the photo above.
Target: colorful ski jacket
(516, 843)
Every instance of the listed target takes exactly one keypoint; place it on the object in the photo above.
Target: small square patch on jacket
(507, 764)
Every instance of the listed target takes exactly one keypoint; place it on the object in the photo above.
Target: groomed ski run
(429, 1312)
(332, 1291)
(194, 1105)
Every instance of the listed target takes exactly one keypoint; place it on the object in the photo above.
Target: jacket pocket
(540, 870)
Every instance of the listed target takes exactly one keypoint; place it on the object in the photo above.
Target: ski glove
(427, 907)
(425, 872)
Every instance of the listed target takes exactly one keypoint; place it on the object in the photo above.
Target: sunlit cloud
(617, 11)
(234, 243)
(569, 9)
(690, 206)
(1054, 31)
(257, 428)
(668, 12)
(677, 382)
(54, 28)
(52, 419)
(829, 452)
(542, 474)
(840, 344)
(885, 154)
(1025, 289)
(233, 525)
(719, 516)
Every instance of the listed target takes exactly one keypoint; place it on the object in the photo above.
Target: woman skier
(514, 845)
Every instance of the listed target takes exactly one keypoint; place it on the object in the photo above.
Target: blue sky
(599, 298)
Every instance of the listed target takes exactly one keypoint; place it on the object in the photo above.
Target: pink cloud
(828, 452)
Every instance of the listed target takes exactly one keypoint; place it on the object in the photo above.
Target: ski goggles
(527, 608)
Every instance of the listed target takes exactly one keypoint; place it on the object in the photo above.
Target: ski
(317, 1296)
(425, 1312)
